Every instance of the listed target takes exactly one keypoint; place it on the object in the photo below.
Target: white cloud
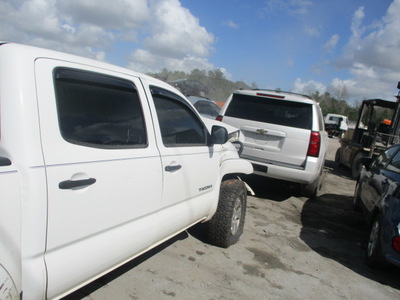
(292, 7)
(372, 55)
(357, 22)
(331, 44)
(160, 33)
(355, 89)
(41, 23)
(367, 89)
(308, 87)
(176, 41)
(116, 14)
(144, 61)
(312, 31)
(289, 62)
(231, 24)
(176, 32)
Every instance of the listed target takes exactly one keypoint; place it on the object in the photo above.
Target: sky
(347, 48)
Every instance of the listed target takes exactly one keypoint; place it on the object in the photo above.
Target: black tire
(375, 258)
(356, 165)
(312, 190)
(337, 157)
(356, 198)
(226, 226)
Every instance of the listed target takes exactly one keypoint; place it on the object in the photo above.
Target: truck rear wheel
(226, 226)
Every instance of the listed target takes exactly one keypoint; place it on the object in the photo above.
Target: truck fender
(235, 165)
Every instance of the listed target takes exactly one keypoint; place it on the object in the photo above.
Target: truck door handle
(71, 184)
(172, 168)
(4, 161)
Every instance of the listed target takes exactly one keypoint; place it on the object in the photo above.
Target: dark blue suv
(377, 194)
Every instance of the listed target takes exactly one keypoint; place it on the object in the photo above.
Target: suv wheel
(356, 198)
(226, 226)
(337, 157)
(356, 165)
(313, 189)
(374, 250)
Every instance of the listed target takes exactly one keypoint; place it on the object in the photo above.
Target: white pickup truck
(336, 125)
(99, 164)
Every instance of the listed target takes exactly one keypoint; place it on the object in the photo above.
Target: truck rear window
(273, 111)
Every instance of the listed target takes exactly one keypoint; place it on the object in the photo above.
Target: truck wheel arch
(8, 289)
(235, 166)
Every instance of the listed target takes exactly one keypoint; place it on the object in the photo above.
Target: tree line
(214, 85)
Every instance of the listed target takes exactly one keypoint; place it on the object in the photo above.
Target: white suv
(282, 133)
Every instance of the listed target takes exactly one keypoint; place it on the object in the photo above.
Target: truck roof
(31, 53)
(381, 103)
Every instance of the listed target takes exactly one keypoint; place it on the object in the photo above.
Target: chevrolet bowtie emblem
(261, 131)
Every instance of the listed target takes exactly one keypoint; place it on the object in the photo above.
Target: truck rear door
(104, 178)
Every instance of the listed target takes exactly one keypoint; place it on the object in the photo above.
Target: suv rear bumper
(293, 174)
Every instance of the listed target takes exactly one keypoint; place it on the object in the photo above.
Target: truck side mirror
(219, 135)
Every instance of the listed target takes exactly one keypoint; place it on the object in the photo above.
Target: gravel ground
(292, 248)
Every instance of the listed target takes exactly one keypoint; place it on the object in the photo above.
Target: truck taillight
(314, 145)
(219, 118)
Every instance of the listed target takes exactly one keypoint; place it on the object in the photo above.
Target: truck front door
(190, 166)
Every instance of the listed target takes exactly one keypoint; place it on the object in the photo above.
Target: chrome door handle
(4, 161)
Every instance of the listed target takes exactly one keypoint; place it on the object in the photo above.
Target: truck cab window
(98, 111)
(179, 125)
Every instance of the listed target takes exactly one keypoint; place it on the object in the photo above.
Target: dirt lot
(292, 248)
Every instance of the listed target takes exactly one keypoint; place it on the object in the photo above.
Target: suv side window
(99, 111)
(273, 111)
(207, 108)
(179, 125)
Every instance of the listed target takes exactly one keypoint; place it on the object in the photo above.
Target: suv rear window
(273, 111)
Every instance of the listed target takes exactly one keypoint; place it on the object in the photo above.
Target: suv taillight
(314, 145)
(396, 243)
(219, 118)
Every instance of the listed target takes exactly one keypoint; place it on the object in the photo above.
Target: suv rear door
(275, 131)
